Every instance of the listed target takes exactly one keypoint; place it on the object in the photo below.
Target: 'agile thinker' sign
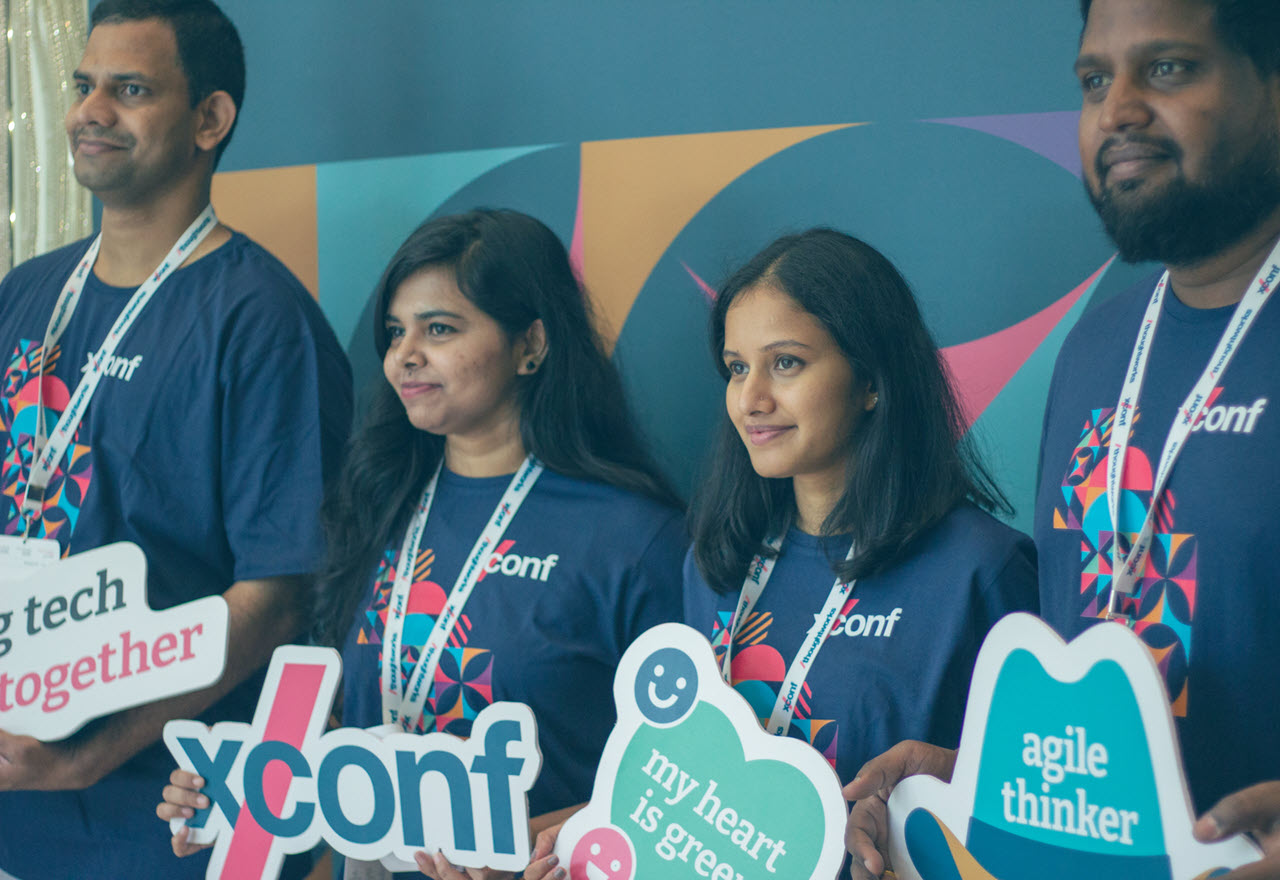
(78, 641)
(689, 786)
(281, 784)
(1068, 767)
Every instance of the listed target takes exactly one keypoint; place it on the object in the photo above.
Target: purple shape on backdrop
(1052, 135)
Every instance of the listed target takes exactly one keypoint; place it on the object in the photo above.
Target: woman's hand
(182, 798)
(438, 867)
(543, 865)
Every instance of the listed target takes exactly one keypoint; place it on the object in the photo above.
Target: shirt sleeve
(286, 410)
(653, 595)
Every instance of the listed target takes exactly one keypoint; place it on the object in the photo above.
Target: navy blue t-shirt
(207, 444)
(583, 569)
(1208, 603)
(898, 660)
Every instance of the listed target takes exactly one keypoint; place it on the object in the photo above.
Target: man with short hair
(207, 436)
(1180, 141)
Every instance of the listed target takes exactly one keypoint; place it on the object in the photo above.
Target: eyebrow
(772, 346)
(128, 76)
(1155, 47)
(430, 315)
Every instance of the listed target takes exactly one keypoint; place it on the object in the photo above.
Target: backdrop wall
(668, 141)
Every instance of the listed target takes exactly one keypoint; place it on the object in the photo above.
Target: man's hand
(867, 833)
(1255, 810)
(26, 764)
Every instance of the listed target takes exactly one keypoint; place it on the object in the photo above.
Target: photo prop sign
(690, 786)
(78, 641)
(1068, 767)
(281, 784)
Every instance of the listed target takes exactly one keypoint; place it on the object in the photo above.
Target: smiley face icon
(603, 854)
(666, 686)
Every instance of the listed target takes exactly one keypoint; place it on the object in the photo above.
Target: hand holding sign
(278, 786)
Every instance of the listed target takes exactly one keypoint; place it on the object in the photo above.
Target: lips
(410, 390)
(1130, 160)
(759, 435)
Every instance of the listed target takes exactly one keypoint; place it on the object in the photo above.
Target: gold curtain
(46, 208)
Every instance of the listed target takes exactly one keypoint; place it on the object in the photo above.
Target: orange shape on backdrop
(276, 207)
(638, 194)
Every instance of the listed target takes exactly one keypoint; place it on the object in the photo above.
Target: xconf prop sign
(77, 641)
(1068, 767)
(689, 786)
(280, 785)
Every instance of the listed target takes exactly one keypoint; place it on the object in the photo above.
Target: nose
(94, 108)
(407, 354)
(755, 394)
(1124, 107)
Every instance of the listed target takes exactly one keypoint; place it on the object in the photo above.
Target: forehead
(430, 289)
(148, 47)
(763, 314)
(1120, 27)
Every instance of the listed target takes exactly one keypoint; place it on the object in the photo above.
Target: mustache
(1156, 145)
(97, 133)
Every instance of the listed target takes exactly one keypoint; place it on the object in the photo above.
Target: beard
(1185, 222)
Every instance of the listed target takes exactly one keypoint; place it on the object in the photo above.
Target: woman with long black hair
(844, 562)
(498, 465)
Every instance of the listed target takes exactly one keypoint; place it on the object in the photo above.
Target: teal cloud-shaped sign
(1068, 767)
(689, 786)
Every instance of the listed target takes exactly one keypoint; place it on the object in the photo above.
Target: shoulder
(1115, 318)
(51, 269)
(609, 513)
(970, 541)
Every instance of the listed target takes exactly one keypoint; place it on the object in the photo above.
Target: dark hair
(573, 414)
(1251, 27)
(913, 465)
(209, 48)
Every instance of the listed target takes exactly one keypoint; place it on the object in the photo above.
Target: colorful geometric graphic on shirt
(463, 683)
(70, 483)
(757, 672)
(1164, 602)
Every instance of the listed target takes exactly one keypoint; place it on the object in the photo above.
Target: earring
(875, 399)
(531, 366)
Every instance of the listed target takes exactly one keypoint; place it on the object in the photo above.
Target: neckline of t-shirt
(1177, 310)
(457, 481)
(816, 543)
(97, 285)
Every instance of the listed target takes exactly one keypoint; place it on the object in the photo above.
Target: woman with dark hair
(842, 552)
(498, 465)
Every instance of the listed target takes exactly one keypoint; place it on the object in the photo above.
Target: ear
(215, 114)
(531, 349)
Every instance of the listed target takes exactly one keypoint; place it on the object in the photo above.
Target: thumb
(1256, 809)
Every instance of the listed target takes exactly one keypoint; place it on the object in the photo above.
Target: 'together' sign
(78, 641)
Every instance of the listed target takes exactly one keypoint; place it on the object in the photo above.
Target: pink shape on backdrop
(702, 285)
(296, 697)
(982, 367)
(576, 246)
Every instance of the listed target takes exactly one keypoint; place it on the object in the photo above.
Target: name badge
(18, 556)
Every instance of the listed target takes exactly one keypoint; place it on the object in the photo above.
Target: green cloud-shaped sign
(689, 786)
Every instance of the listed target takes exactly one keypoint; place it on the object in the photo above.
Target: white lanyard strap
(405, 709)
(50, 449)
(1126, 568)
(758, 575)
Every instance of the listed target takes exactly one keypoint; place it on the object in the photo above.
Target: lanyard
(784, 708)
(49, 449)
(405, 708)
(1127, 567)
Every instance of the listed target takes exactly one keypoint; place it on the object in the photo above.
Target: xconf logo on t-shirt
(876, 626)
(1233, 418)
